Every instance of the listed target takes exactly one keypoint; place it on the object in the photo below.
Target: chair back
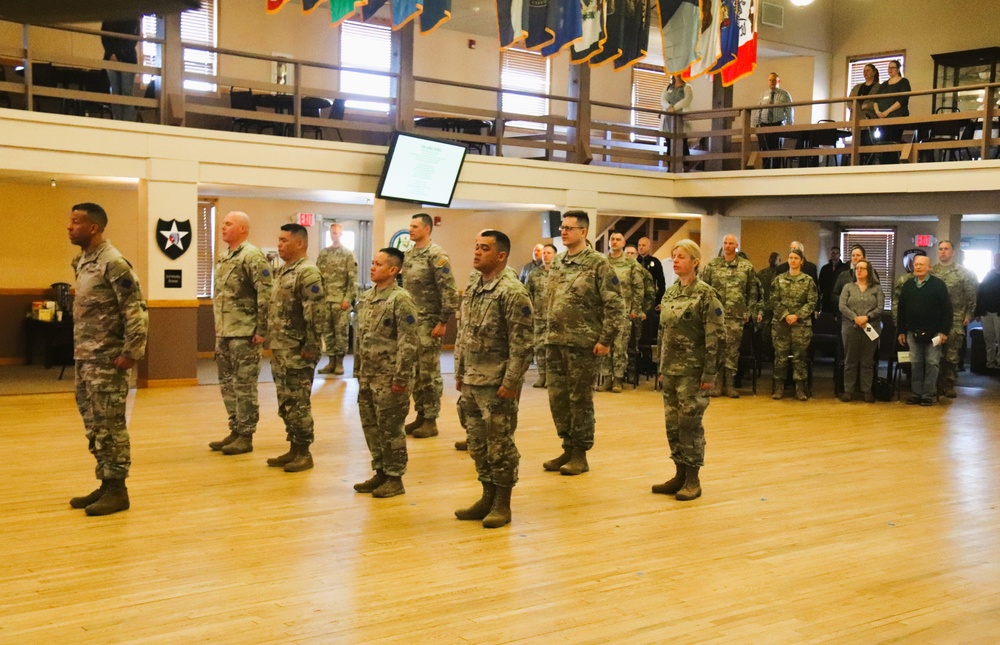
(337, 109)
(150, 89)
(241, 99)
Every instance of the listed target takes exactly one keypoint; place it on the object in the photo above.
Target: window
(528, 72)
(647, 86)
(880, 250)
(368, 47)
(856, 67)
(198, 27)
(206, 248)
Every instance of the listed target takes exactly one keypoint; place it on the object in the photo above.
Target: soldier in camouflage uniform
(428, 278)
(648, 285)
(962, 288)
(110, 324)
(492, 354)
(633, 290)
(384, 357)
(340, 284)
(538, 292)
(766, 278)
(242, 293)
(793, 300)
(691, 326)
(738, 287)
(584, 310)
(296, 319)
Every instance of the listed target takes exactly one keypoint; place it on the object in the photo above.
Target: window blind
(206, 248)
(367, 46)
(880, 250)
(647, 87)
(198, 27)
(528, 72)
(856, 67)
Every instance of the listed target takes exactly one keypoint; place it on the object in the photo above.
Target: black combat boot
(114, 499)
(481, 508)
(671, 486)
(368, 486)
(219, 445)
(87, 500)
(500, 513)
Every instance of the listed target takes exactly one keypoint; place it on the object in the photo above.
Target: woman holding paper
(861, 304)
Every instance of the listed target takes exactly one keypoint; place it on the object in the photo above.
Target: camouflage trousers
(684, 404)
(616, 362)
(490, 423)
(540, 345)
(569, 376)
(338, 330)
(791, 340)
(428, 386)
(382, 415)
(293, 379)
(948, 375)
(239, 367)
(101, 390)
(729, 346)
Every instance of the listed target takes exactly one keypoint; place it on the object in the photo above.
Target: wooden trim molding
(26, 292)
(172, 304)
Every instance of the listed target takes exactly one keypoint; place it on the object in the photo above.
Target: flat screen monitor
(421, 170)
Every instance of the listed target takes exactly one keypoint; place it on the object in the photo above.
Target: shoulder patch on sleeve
(314, 288)
(442, 263)
(718, 311)
(614, 279)
(125, 282)
(265, 272)
(526, 311)
(410, 319)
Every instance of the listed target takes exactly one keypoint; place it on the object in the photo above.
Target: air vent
(772, 14)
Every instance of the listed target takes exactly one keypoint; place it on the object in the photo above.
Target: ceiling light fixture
(801, 3)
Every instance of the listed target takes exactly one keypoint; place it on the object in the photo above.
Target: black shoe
(927, 401)
(913, 400)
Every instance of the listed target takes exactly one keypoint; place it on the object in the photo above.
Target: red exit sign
(924, 241)
(306, 219)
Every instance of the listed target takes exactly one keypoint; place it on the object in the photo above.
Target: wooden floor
(820, 522)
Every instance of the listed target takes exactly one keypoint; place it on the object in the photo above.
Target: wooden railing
(722, 139)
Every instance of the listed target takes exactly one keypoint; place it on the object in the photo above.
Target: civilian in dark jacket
(924, 323)
(988, 312)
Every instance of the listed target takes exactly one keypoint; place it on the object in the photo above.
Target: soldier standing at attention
(339, 268)
(633, 290)
(738, 288)
(584, 310)
(384, 358)
(242, 293)
(296, 317)
(691, 326)
(109, 331)
(793, 300)
(766, 278)
(428, 278)
(962, 286)
(538, 292)
(492, 354)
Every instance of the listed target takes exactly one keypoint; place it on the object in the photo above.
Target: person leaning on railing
(676, 98)
(893, 107)
(868, 87)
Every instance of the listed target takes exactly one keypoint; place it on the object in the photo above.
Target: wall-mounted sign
(173, 237)
(306, 219)
(171, 278)
(924, 241)
(401, 240)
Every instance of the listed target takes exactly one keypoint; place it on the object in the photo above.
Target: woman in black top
(893, 107)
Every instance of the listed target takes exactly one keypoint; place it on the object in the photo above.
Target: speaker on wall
(551, 221)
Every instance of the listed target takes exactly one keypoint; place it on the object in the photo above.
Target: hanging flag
(729, 34)
(594, 35)
(538, 34)
(433, 14)
(512, 21)
(274, 5)
(341, 10)
(309, 5)
(746, 54)
(680, 26)
(709, 44)
(635, 32)
(614, 14)
(565, 22)
(370, 8)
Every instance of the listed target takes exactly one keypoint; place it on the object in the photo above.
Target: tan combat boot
(800, 391)
(338, 365)
(413, 425)
(481, 508)
(368, 486)
(303, 460)
(500, 513)
(729, 385)
(87, 500)
(279, 462)
(671, 486)
(552, 465)
(692, 486)
(427, 430)
(462, 445)
(242, 444)
(219, 445)
(577, 464)
(391, 487)
(329, 368)
(114, 499)
(777, 389)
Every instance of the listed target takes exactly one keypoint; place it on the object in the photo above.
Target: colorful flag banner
(433, 14)
(512, 21)
(565, 22)
(746, 54)
(680, 26)
(709, 43)
(594, 34)
(635, 32)
(614, 14)
(309, 5)
(341, 10)
(729, 34)
(273, 6)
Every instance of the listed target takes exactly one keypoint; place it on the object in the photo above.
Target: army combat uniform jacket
(296, 314)
(109, 312)
(243, 283)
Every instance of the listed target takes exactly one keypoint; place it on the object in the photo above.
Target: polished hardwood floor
(820, 522)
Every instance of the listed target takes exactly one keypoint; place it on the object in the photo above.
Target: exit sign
(306, 219)
(924, 241)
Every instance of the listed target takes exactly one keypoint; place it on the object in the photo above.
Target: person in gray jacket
(861, 305)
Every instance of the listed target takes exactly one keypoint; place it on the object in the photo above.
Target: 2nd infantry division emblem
(173, 237)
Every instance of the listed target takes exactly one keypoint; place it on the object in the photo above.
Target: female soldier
(690, 327)
(793, 300)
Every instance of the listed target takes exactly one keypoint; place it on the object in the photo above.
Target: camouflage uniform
(109, 320)
(428, 278)
(242, 292)
(538, 292)
(766, 278)
(962, 287)
(633, 290)
(691, 328)
(792, 295)
(584, 308)
(385, 354)
(340, 284)
(493, 349)
(897, 289)
(296, 317)
(738, 289)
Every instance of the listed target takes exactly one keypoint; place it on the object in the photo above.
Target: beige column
(949, 227)
(169, 192)
(714, 228)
